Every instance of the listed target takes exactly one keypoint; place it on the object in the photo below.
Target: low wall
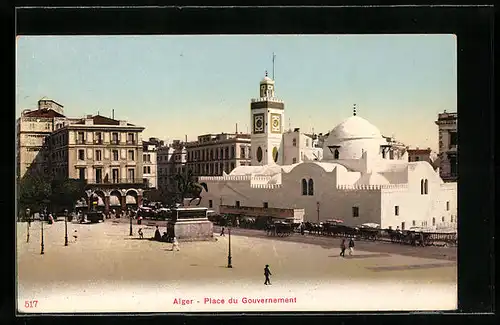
(193, 230)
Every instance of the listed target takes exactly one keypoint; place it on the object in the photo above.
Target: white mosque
(355, 179)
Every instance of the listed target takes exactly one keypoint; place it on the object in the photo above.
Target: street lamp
(317, 209)
(29, 223)
(42, 246)
(130, 217)
(229, 265)
(65, 227)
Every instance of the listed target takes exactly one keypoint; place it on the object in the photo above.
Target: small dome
(355, 127)
(267, 80)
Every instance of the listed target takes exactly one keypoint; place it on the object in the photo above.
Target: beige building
(448, 145)
(32, 130)
(150, 162)
(104, 152)
(171, 160)
(214, 154)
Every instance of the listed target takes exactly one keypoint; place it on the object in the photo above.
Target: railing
(131, 142)
(80, 141)
(98, 141)
(116, 181)
(115, 141)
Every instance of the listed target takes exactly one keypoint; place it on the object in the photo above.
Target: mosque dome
(355, 127)
(267, 80)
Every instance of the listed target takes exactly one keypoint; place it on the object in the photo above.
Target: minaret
(267, 114)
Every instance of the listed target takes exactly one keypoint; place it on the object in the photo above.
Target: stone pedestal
(190, 224)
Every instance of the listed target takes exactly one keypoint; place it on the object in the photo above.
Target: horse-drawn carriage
(280, 229)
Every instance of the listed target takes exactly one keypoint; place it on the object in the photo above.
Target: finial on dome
(354, 110)
(266, 73)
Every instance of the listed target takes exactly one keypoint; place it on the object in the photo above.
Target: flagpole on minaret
(274, 56)
(354, 110)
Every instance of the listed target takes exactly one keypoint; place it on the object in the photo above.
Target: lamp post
(28, 222)
(42, 246)
(65, 227)
(317, 209)
(130, 217)
(229, 265)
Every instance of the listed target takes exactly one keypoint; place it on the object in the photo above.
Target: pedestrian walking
(75, 235)
(222, 232)
(157, 234)
(267, 273)
(351, 246)
(175, 244)
(342, 248)
(141, 234)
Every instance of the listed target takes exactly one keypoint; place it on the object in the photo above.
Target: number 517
(30, 303)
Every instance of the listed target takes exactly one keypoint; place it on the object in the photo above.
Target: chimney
(113, 114)
(186, 137)
(236, 128)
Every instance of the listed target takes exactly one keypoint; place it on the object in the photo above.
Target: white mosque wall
(354, 149)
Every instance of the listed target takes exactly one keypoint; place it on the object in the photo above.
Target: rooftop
(43, 113)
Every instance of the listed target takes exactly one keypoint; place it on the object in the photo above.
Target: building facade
(32, 130)
(171, 160)
(215, 154)
(106, 154)
(448, 146)
(150, 162)
(355, 182)
(298, 147)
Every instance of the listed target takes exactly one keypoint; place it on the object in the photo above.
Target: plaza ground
(106, 262)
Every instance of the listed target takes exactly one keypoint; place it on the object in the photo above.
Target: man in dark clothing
(302, 229)
(267, 273)
(342, 248)
(351, 246)
(222, 232)
(157, 234)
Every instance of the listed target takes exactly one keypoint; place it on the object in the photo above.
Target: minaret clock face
(275, 123)
(258, 123)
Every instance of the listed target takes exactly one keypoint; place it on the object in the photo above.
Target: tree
(33, 191)
(66, 192)
(187, 185)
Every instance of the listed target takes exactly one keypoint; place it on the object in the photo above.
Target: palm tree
(187, 185)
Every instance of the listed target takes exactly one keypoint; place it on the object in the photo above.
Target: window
(232, 152)
(336, 154)
(131, 174)
(81, 137)
(226, 151)
(237, 204)
(422, 186)
(304, 186)
(114, 175)
(145, 170)
(242, 152)
(130, 138)
(294, 160)
(232, 165)
(442, 219)
(403, 224)
(447, 205)
(266, 205)
(81, 173)
(131, 155)
(294, 142)
(453, 139)
(311, 187)
(433, 221)
(451, 219)
(355, 212)
(98, 155)
(115, 155)
(426, 186)
(417, 158)
(396, 210)
(81, 154)
(211, 154)
(98, 138)
(115, 138)
(210, 204)
(98, 175)
(413, 223)
(383, 153)
(391, 154)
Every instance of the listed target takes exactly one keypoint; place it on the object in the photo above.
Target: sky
(191, 85)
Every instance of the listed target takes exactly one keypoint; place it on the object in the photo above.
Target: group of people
(343, 246)
(159, 237)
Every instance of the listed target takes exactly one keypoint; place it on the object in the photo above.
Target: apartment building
(171, 160)
(32, 130)
(150, 162)
(213, 154)
(107, 154)
(448, 146)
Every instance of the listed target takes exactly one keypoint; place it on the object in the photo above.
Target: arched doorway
(115, 199)
(131, 199)
(97, 201)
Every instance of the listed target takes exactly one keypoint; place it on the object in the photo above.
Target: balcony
(98, 141)
(112, 181)
(131, 142)
(80, 141)
(115, 141)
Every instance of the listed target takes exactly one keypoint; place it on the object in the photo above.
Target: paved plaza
(104, 257)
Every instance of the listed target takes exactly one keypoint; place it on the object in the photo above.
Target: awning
(130, 199)
(114, 200)
(100, 201)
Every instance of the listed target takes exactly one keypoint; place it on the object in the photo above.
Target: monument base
(195, 230)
